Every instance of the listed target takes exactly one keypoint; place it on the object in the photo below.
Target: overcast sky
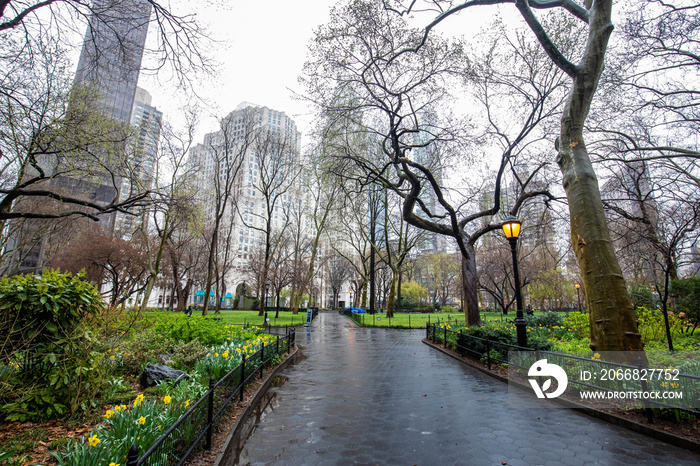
(261, 48)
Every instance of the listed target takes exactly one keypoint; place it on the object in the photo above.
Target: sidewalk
(378, 396)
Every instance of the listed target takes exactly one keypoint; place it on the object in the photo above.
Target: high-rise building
(112, 52)
(262, 145)
(109, 66)
(146, 121)
(110, 62)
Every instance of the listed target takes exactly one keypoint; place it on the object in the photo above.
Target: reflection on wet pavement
(380, 396)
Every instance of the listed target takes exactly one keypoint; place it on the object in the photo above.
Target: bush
(579, 324)
(54, 356)
(546, 319)
(181, 328)
(37, 310)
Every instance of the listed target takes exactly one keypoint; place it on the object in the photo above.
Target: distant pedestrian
(188, 311)
(529, 310)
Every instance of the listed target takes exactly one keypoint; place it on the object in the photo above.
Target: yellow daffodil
(117, 408)
(142, 420)
(125, 407)
(94, 440)
(167, 399)
(225, 355)
(216, 355)
(113, 464)
(111, 357)
(187, 403)
(109, 414)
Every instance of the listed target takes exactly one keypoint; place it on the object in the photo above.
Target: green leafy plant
(51, 343)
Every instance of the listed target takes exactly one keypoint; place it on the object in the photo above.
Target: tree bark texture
(613, 322)
(470, 294)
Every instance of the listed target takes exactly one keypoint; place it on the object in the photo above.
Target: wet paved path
(360, 398)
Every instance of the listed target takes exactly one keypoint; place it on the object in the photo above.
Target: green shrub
(51, 347)
(579, 324)
(37, 310)
(547, 319)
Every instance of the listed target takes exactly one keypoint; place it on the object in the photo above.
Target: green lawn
(406, 320)
(419, 320)
(251, 318)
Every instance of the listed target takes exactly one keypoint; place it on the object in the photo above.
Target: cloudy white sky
(261, 48)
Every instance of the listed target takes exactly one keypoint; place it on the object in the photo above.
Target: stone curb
(228, 454)
(662, 435)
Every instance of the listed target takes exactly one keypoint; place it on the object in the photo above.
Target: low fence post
(445, 336)
(277, 348)
(262, 360)
(488, 353)
(647, 403)
(132, 458)
(427, 330)
(210, 412)
(242, 383)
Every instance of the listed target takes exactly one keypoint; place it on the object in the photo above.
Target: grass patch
(251, 318)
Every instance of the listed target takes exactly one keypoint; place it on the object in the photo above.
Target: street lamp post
(578, 294)
(511, 228)
(267, 291)
(352, 304)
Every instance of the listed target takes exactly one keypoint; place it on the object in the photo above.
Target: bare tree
(338, 270)
(276, 156)
(399, 97)
(613, 322)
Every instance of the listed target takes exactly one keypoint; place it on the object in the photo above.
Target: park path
(379, 396)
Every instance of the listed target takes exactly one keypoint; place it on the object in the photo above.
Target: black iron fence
(620, 377)
(195, 427)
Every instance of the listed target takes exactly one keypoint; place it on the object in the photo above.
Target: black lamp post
(511, 228)
(267, 290)
(578, 294)
(352, 304)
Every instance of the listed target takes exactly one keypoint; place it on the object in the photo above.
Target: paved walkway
(377, 396)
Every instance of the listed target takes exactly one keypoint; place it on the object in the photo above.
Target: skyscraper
(263, 144)
(146, 121)
(109, 66)
(112, 52)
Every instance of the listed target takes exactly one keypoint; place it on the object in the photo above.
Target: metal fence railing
(496, 352)
(195, 427)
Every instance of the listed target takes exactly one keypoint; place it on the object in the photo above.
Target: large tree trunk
(469, 289)
(613, 322)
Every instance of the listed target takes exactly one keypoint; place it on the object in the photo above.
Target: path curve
(381, 396)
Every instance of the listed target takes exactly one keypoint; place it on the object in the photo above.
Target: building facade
(253, 156)
(146, 121)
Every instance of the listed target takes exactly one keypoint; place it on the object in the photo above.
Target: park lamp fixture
(577, 286)
(511, 227)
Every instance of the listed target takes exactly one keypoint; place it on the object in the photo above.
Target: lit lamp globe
(511, 227)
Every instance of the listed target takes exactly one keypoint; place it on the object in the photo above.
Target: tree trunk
(469, 289)
(613, 322)
(392, 295)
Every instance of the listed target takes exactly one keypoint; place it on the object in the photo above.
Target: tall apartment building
(112, 52)
(109, 64)
(260, 143)
(425, 155)
(146, 120)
